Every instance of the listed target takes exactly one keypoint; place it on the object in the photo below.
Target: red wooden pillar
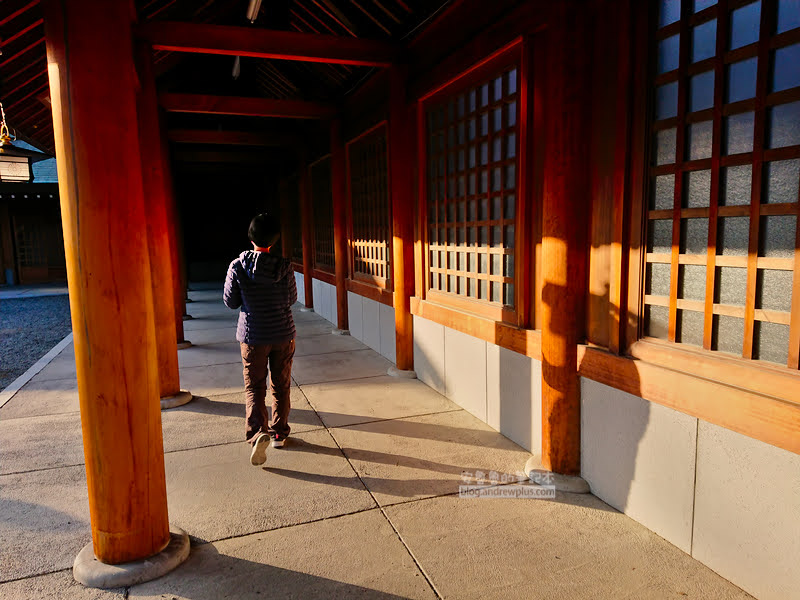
(175, 250)
(565, 212)
(339, 222)
(93, 88)
(401, 170)
(158, 197)
(308, 233)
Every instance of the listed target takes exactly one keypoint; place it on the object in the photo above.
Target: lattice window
(472, 191)
(295, 219)
(721, 231)
(371, 216)
(322, 205)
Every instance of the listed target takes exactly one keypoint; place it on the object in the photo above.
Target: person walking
(261, 283)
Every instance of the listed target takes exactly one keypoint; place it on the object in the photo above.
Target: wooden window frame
(293, 202)
(756, 398)
(516, 53)
(384, 284)
(322, 272)
(755, 211)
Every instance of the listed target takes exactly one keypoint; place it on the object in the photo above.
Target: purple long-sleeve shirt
(263, 286)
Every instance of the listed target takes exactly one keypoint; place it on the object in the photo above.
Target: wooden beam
(245, 106)
(111, 300)
(233, 138)
(338, 168)
(213, 156)
(267, 43)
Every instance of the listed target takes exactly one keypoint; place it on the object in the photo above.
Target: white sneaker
(278, 441)
(258, 456)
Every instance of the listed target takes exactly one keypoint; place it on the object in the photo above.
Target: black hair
(264, 230)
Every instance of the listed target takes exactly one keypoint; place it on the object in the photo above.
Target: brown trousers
(260, 361)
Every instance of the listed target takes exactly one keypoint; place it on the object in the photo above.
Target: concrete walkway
(362, 502)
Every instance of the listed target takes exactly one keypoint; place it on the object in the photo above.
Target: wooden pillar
(308, 233)
(339, 222)
(401, 170)
(565, 210)
(175, 248)
(158, 196)
(108, 269)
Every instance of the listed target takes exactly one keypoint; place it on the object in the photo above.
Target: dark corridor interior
(216, 203)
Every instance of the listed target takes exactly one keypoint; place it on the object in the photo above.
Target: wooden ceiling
(23, 70)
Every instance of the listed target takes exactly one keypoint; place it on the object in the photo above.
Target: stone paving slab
(338, 366)
(220, 420)
(343, 403)
(356, 556)
(216, 354)
(61, 367)
(205, 337)
(44, 521)
(202, 422)
(576, 547)
(40, 443)
(306, 345)
(419, 457)
(215, 493)
(37, 398)
(55, 586)
(314, 327)
(216, 322)
(212, 380)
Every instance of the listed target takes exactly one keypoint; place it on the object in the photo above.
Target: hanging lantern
(15, 163)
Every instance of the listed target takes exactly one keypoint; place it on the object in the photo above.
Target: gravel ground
(29, 328)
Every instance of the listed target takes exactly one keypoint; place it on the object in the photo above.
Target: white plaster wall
(372, 323)
(429, 353)
(465, 371)
(640, 458)
(324, 300)
(301, 290)
(499, 386)
(514, 396)
(354, 321)
(388, 345)
(747, 512)
(370, 317)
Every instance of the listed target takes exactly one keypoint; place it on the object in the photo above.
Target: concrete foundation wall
(730, 501)
(324, 300)
(500, 387)
(301, 290)
(372, 323)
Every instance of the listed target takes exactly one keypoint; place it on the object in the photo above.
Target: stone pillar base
(92, 573)
(178, 399)
(187, 317)
(341, 332)
(184, 345)
(563, 483)
(395, 372)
